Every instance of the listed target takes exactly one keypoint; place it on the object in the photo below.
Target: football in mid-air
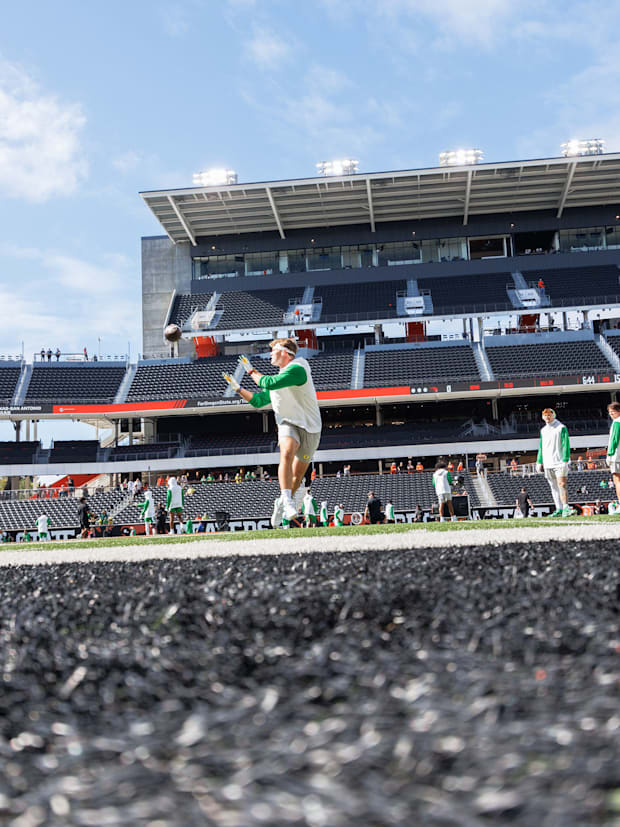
(172, 333)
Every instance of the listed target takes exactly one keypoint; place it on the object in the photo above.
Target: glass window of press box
(394, 254)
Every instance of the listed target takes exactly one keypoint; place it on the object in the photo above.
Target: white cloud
(174, 21)
(40, 150)
(266, 48)
(127, 161)
(60, 300)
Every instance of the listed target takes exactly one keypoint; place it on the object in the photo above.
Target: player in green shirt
(613, 447)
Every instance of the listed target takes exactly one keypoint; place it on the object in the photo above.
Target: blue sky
(100, 101)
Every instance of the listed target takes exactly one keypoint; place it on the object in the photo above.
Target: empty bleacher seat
(51, 383)
(546, 359)
(9, 377)
(461, 294)
(425, 364)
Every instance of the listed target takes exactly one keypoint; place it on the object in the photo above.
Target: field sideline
(348, 538)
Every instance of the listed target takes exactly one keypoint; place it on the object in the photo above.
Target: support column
(116, 431)
(27, 430)
(378, 334)
(17, 424)
(35, 423)
(131, 431)
(494, 409)
(378, 415)
(265, 423)
(320, 469)
(480, 330)
(380, 464)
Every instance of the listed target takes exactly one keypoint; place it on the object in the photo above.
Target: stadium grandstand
(440, 310)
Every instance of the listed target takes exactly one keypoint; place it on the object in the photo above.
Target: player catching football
(293, 398)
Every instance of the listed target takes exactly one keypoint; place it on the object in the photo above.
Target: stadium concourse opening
(440, 310)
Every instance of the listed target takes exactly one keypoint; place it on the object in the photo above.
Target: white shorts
(308, 443)
(552, 474)
(614, 465)
(444, 498)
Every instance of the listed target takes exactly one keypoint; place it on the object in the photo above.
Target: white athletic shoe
(278, 510)
(290, 510)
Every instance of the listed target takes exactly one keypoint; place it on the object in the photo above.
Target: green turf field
(347, 531)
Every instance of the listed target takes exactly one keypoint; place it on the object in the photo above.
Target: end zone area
(444, 677)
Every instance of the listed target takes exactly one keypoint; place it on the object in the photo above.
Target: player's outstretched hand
(231, 381)
(539, 468)
(249, 367)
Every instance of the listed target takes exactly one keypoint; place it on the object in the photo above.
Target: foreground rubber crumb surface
(281, 542)
(443, 686)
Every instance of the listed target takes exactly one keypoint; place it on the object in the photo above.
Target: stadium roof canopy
(372, 198)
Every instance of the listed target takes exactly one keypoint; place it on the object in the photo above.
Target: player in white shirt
(43, 527)
(554, 457)
(293, 398)
(442, 480)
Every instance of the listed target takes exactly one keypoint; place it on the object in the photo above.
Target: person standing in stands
(43, 354)
(554, 457)
(613, 446)
(49, 354)
(57, 354)
(293, 398)
(523, 502)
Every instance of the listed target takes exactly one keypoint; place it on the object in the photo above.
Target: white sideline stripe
(213, 547)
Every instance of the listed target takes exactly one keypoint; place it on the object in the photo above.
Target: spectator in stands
(591, 465)
(450, 466)
(373, 513)
(393, 467)
(460, 467)
(338, 474)
(401, 467)
(602, 484)
(541, 286)
(57, 354)
(161, 482)
(43, 354)
(613, 446)
(313, 475)
(513, 465)
(580, 463)
(479, 466)
(523, 503)
(238, 477)
(442, 482)
(191, 491)
(70, 486)
(85, 352)
(49, 354)
(210, 478)
(410, 468)
(347, 470)
(554, 457)
(83, 518)
(137, 488)
(419, 466)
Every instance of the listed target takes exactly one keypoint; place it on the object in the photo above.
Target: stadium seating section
(579, 282)
(546, 359)
(98, 383)
(410, 366)
(462, 294)
(84, 450)
(614, 343)
(367, 300)
(9, 377)
(155, 450)
(62, 511)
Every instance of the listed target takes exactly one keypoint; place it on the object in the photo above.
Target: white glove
(249, 367)
(539, 468)
(231, 381)
(609, 460)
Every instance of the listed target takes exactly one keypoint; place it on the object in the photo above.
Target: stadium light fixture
(215, 177)
(460, 157)
(345, 166)
(583, 146)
